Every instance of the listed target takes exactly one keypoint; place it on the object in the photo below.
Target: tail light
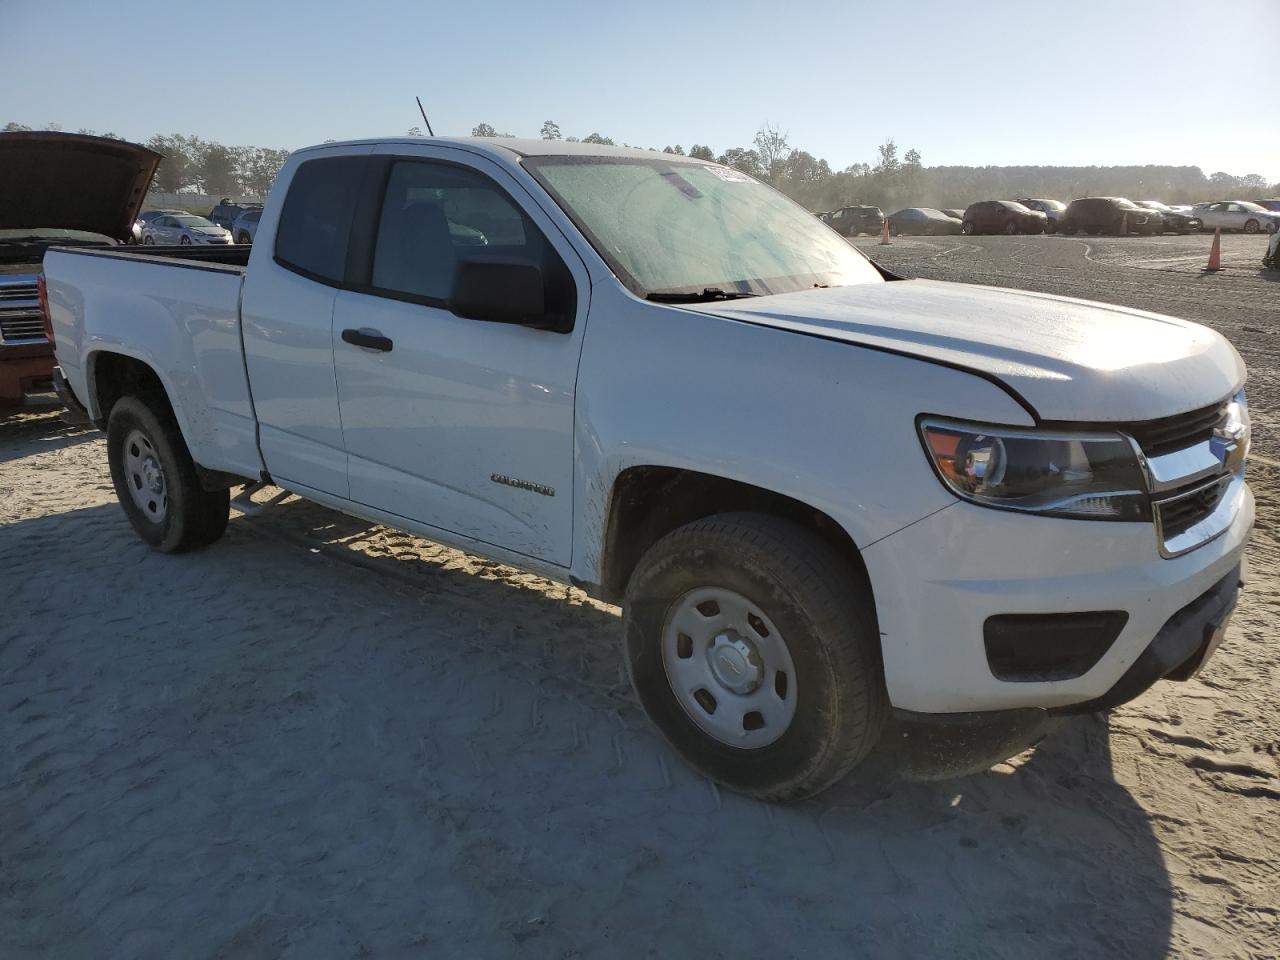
(43, 293)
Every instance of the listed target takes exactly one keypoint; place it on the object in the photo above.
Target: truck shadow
(302, 735)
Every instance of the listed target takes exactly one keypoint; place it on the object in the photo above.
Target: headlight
(1088, 476)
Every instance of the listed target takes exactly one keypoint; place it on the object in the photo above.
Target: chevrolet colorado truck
(55, 188)
(819, 493)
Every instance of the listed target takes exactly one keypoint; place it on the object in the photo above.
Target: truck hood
(1069, 359)
(69, 181)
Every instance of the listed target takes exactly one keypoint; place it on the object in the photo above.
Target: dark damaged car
(56, 189)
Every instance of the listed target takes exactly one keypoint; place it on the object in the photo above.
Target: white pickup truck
(819, 492)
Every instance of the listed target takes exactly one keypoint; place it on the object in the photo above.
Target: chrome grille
(1156, 437)
(1194, 461)
(20, 320)
(1182, 511)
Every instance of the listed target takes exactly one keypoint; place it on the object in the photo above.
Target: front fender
(829, 424)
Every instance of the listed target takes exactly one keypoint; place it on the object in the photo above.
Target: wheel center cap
(153, 475)
(735, 663)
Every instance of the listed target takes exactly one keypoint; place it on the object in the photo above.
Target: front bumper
(937, 582)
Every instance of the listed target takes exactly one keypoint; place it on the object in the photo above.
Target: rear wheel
(156, 480)
(752, 646)
(244, 238)
(149, 240)
(1011, 227)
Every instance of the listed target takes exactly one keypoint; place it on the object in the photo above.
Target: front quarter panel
(827, 423)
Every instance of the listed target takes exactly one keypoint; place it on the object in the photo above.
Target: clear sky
(963, 81)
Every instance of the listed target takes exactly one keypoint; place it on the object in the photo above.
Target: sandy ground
(325, 739)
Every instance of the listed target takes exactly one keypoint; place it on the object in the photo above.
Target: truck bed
(176, 309)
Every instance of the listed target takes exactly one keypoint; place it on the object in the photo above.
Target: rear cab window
(315, 221)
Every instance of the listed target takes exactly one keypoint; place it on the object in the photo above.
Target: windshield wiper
(708, 294)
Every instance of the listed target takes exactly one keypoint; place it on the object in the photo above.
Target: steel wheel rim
(729, 667)
(144, 476)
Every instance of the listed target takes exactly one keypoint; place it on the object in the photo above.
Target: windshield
(1127, 204)
(191, 220)
(666, 227)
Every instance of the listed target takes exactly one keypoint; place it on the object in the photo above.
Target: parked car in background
(1177, 221)
(1053, 515)
(852, 221)
(1272, 205)
(62, 189)
(1002, 216)
(1052, 210)
(953, 212)
(1108, 215)
(1237, 215)
(246, 226)
(922, 222)
(138, 234)
(183, 229)
(226, 212)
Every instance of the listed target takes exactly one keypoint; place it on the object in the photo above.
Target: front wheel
(149, 241)
(156, 480)
(752, 646)
(1011, 228)
(185, 241)
(244, 238)
(1251, 226)
(967, 228)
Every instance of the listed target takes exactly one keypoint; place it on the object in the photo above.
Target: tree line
(891, 181)
(895, 180)
(203, 166)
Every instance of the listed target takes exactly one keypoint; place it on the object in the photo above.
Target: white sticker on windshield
(729, 175)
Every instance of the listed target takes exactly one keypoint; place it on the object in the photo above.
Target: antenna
(430, 132)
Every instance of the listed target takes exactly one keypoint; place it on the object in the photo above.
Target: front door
(463, 425)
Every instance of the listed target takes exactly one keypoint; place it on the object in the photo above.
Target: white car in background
(245, 227)
(1237, 215)
(183, 229)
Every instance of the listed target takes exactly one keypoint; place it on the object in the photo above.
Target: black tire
(967, 228)
(1051, 226)
(1068, 229)
(149, 240)
(193, 517)
(816, 600)
(1251, 226)
(185, 242)
(1011, 228)
(244, 238)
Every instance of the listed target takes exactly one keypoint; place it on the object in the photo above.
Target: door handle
(364, 337)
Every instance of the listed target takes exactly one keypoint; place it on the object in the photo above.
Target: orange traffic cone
(1215, 252)
(884, 233)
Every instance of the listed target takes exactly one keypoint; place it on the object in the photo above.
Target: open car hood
(69, 181)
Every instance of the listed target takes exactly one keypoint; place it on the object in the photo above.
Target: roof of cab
(508, 147)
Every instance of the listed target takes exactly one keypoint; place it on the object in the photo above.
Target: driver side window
(436, 214)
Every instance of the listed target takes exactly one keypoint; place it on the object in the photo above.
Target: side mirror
(501, 292)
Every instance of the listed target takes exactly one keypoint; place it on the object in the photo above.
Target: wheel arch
(647, 502)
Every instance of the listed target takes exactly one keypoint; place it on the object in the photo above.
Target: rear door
(294, 273)
(462, 425)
